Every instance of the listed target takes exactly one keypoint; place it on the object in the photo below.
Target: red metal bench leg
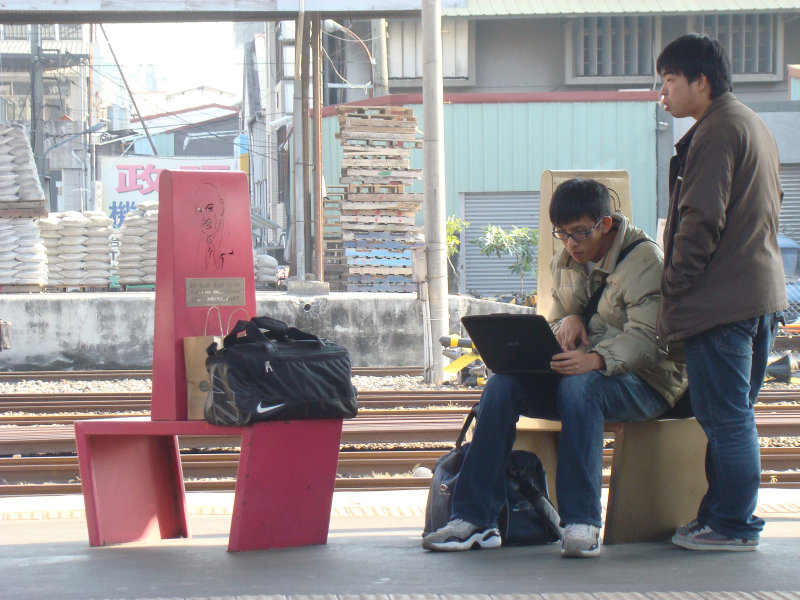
(132, 487)
(284, 487)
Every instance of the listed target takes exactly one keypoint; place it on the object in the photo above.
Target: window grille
(615, 46)
(404, 44)
(70, 32)
(15, 32)
(751, 39)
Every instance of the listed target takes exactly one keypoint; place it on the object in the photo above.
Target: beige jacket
(622, 330)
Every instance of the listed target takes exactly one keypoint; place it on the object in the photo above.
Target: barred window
(753, 40)
(15, 32)
(48, 32)
(404, 43)
(70, 32)
(617, 46)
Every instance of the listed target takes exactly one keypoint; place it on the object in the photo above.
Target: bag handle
(251, 334)
(219, 316)
(230, 316)
(277, 329)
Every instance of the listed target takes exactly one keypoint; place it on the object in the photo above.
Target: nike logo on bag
(266, 409)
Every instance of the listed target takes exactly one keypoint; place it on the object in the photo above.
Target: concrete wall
(115, 330)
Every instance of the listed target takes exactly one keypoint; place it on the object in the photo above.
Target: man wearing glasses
(606, 282)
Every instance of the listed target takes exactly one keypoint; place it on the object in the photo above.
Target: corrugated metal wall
(490, 275)
(790, 209)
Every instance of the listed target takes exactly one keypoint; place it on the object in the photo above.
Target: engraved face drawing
(213, 245)
(210, 207)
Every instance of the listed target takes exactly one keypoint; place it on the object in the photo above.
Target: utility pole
(380, 55)
(37, 108)
(306, 121)
(316, 51)
(433, 175)
(298, 201)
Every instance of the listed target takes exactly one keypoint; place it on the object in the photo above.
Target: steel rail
(768, 416)
(111, 374)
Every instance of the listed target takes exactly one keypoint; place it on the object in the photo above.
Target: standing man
(723, 282)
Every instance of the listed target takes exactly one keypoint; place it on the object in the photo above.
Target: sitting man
(611, 369)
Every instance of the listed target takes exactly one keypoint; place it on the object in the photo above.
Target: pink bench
(133, 481)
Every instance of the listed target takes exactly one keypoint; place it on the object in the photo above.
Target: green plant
(453, 228)
(520, 244)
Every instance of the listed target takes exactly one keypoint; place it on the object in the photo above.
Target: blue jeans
(726, 367)
(582, 403)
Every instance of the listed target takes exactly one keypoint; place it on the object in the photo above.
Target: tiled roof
(554, 8)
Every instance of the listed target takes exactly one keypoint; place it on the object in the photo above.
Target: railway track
(110, 374)
(33, 427)
(121, 403)
(390, 407)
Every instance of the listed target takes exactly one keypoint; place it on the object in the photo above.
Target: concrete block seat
(133, 484)
(657, 472)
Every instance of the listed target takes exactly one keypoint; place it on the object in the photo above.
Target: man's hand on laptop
(575, 362)
(572, 333)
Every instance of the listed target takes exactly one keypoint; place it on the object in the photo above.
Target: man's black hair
(695, 53)
(577, 198)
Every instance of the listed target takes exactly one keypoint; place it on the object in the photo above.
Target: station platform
(373, 552)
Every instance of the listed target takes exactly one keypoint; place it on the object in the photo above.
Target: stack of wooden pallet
(377, 215)
(333, 255)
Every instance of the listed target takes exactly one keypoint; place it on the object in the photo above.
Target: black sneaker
(702, 537)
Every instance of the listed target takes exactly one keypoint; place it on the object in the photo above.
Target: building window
(15, 32)
(753, 40)
(404, 45)
(48, 32)
(604, 49)
(70, 32)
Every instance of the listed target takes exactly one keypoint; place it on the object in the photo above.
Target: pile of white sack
(78, 248)
(19, 180)
(138, 240)
(266, 269)
(23, 258)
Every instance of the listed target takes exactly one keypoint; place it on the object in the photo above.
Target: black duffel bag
(527, 517)
(269, 371)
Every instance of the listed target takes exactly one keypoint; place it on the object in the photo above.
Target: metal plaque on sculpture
(208, 291)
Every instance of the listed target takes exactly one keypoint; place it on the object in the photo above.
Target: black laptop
(513, 343)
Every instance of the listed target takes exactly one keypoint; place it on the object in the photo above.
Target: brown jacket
(622, 330)
(721, 258)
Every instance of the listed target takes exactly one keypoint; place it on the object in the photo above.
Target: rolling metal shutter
(790, 209)
(489, 275)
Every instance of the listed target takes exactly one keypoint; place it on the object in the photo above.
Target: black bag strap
(473, 412)
(542, 505)
(591, 306)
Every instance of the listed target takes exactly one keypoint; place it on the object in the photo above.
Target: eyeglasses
(578, 236)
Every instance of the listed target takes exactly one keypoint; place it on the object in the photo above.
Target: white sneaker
(580, 541)
(461, 535)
